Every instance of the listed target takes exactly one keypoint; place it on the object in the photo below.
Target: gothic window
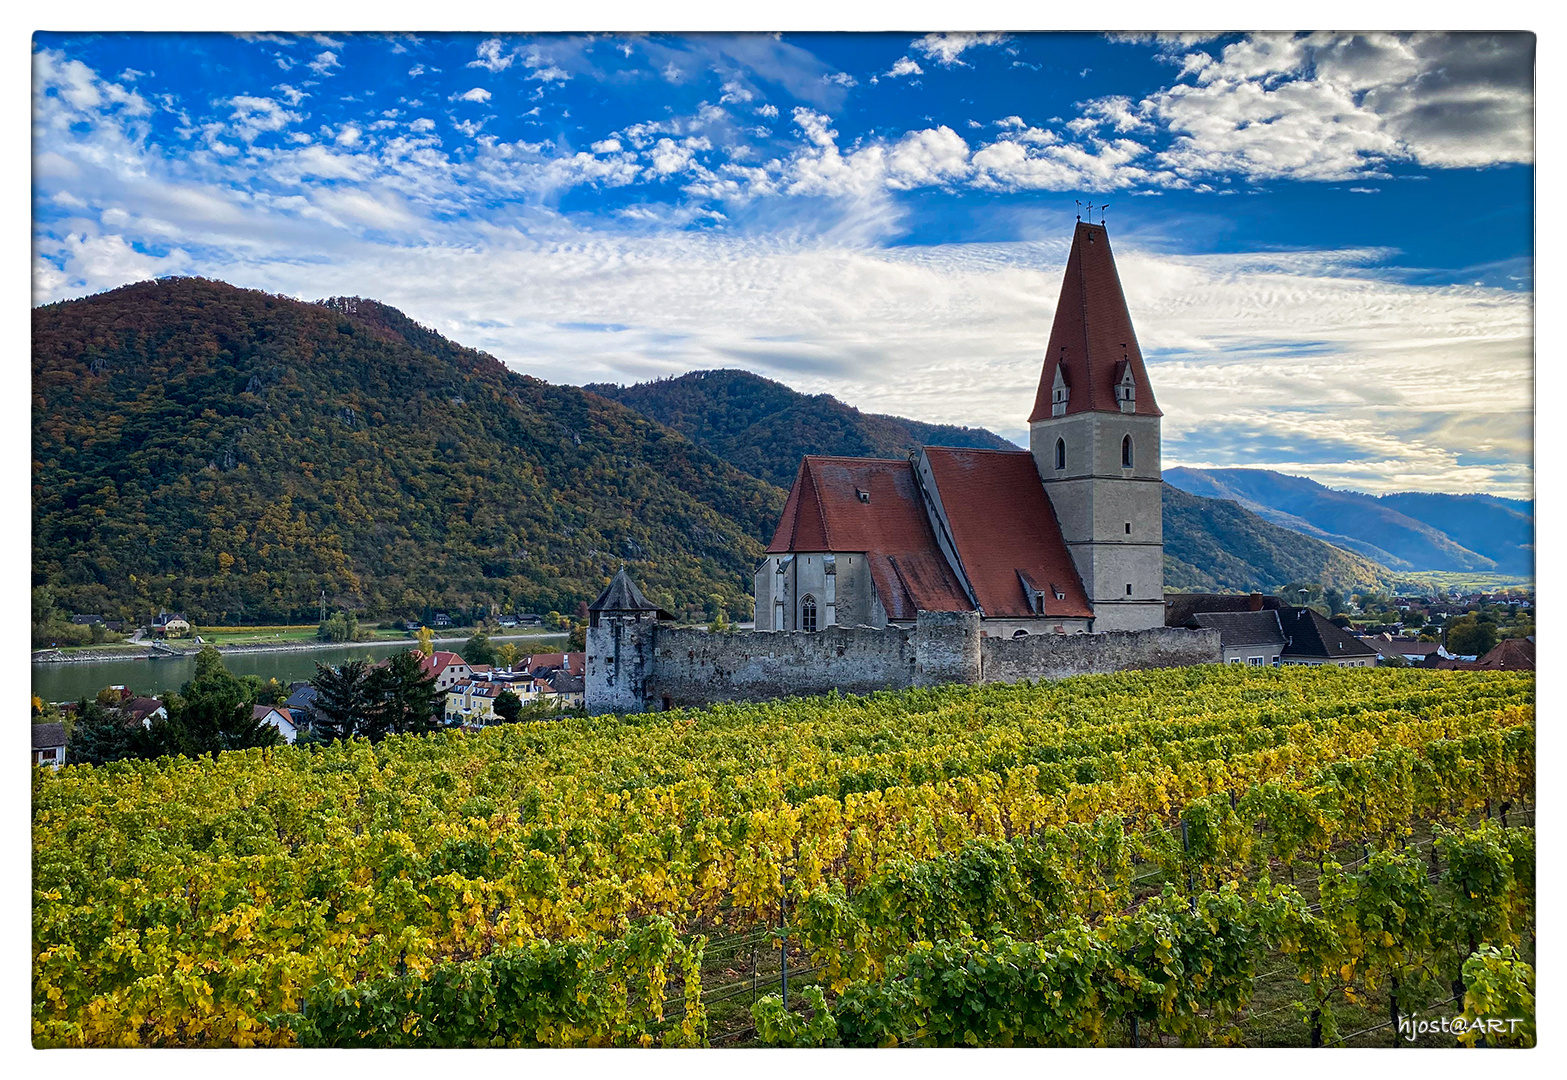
(1060, 453)
(1126, 452)
(808, 613)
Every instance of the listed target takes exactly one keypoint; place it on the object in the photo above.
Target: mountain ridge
(763, 427)
(237, 454)
(1406, 531)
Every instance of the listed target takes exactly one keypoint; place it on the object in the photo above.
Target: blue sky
(1325, 240)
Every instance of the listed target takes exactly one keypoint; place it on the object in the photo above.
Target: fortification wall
(694, 667)
(1056, 656)
(647, 666)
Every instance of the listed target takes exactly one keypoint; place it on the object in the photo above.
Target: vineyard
(1199, 856)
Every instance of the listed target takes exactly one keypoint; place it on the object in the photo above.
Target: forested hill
(1218, 545)
(764, 427)
(232, 454)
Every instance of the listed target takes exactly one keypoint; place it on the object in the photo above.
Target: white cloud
(606, 146)
(946, 48)
(492, 55)
(1331, 106)
(422, 124)
(348, 135)
(478, 93)
(903, 66)
(841, 78)
(253, 117)
(734, 91)
(768, 111)
(415, 71)
(324, 63)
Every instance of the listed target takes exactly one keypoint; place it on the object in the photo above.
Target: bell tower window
(808, 613)
(1060, 454)
(1126, 452)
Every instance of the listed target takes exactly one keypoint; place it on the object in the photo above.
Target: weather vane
(1079, 203)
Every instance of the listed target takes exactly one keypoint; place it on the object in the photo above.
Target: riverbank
(98, 654)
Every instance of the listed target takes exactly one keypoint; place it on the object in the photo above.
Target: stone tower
(621, 626)
(1094, 433)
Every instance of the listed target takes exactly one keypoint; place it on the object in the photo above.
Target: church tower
(1094, 433)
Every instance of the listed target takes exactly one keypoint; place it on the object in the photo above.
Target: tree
(343, 702)
(404, 698)
(508, 706)
(506, 655)
(1415, 619)
(271, 692)
(100, 735)
(577, 640)
(478, 650)
(1471, 636)
(341, 626)
(426, 638)
(211, 713)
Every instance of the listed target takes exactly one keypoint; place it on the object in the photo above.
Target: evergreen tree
(406, 701)
(344, 700)
(99, 736)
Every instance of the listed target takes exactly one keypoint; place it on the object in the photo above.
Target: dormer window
(864, 496)
(1060, 392)
(1125, 386)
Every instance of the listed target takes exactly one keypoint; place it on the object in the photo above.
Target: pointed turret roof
(1092, 335)
(623, 595)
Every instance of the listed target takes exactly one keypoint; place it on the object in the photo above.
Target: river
(153, 678)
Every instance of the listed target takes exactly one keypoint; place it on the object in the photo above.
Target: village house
(447, 667)
(1313, 641)
(49, 745)
(278, 717)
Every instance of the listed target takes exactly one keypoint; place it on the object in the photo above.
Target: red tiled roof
(825, 513)
(1510, 654)
(438, 662)
(573, 663)
(1002, 524)
(1092, 333)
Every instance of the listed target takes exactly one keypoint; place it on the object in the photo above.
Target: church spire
(1093, 363)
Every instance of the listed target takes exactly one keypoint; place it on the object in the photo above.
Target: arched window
(1126, 452)
(808, 613)
(1060, 453)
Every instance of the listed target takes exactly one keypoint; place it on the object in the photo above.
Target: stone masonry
(641, 665)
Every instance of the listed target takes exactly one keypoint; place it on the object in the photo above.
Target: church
(1063, 538)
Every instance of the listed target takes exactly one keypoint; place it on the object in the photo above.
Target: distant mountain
(764, 428)
(1500, 529)
(1407, 531)
(232, 454)
(1217, 545)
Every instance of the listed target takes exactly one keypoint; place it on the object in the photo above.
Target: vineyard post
(1191, 889)
(1134, 1030)
(783, 939)
(1392, 1009)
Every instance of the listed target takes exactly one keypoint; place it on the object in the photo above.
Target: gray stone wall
(1056, 656)
(644, 666)
(694, 667)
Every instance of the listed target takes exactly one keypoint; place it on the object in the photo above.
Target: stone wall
(1056, 656)
(652, 666)
(694, 667)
